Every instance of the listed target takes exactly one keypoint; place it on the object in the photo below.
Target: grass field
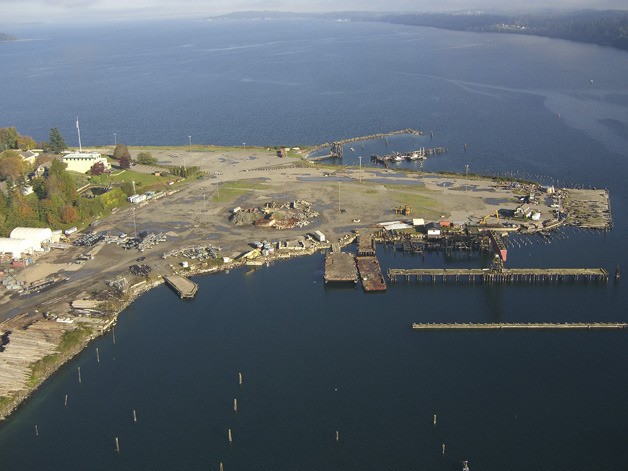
(229, 191)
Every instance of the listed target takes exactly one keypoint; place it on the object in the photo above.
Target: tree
(26, 142)
(125, 162)
(8, 138)
(98, 168)
(121, 151)
(68, 214)
(146, 158)
(12, 166)
(56, 143)
(127, 187)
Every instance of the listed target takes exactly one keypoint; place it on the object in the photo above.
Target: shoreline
(21, 397)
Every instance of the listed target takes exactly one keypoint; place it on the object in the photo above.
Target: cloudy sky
(14, 11)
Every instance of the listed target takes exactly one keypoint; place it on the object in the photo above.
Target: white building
(136, 199)
(26, 240)
(29, 156)
(82, 162)
(37, 236)
(16, 247)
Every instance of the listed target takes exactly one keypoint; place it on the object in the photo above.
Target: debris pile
(296, 213)
(197, 252)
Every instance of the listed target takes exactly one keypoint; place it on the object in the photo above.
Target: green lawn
(142, 180)
(229, 191)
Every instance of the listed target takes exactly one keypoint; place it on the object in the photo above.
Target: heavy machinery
(405, 210)
(485, 218)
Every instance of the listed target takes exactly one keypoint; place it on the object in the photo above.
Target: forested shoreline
(602, 27)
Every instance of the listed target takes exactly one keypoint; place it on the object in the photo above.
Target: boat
(465, 466)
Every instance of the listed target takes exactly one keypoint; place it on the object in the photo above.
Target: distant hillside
(7, 37)
(606, 28)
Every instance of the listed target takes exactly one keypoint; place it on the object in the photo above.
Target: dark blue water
(318, 360)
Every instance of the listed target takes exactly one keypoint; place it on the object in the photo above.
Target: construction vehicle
(405, 210)
(485, 218)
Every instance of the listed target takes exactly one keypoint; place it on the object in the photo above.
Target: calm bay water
(318, 360)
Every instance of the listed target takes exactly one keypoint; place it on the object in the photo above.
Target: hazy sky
(13, 11)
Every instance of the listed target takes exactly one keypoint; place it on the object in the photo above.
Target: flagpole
(79, 134)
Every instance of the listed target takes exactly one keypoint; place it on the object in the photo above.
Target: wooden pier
(182, 286)
(340, 268)
(366, 245)
(336, 146)
(524, 326)
(502, 276)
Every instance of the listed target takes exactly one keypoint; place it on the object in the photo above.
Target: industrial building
(26, 240)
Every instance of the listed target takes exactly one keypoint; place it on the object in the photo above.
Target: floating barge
(371, 274)
(524, 326)
(184, 287)
(340, 268)
(502, 276)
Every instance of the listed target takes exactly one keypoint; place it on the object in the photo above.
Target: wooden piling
(78, 368)
(235, 405)
(66, 401)
(337, 435)
(229, 436)
(97, 355)
(134, 416)
(240, 378)
(36, 431)
(117, 445)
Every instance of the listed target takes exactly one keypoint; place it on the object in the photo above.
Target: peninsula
(215, 221)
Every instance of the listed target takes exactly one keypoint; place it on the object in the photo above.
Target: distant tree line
(603, 27)
(606, 28)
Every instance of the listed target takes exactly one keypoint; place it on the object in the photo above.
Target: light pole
(115, 138)
(134, 224)
(360, 159)
(190, 140)
(466, 173)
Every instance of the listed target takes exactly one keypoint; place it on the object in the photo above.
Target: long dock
(336, 146)
(340, 268)
(184, 287)
(503, 276)
(524, 326)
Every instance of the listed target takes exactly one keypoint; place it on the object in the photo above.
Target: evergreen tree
(56, 144)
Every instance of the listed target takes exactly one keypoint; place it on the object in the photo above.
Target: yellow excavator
(485, 218)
